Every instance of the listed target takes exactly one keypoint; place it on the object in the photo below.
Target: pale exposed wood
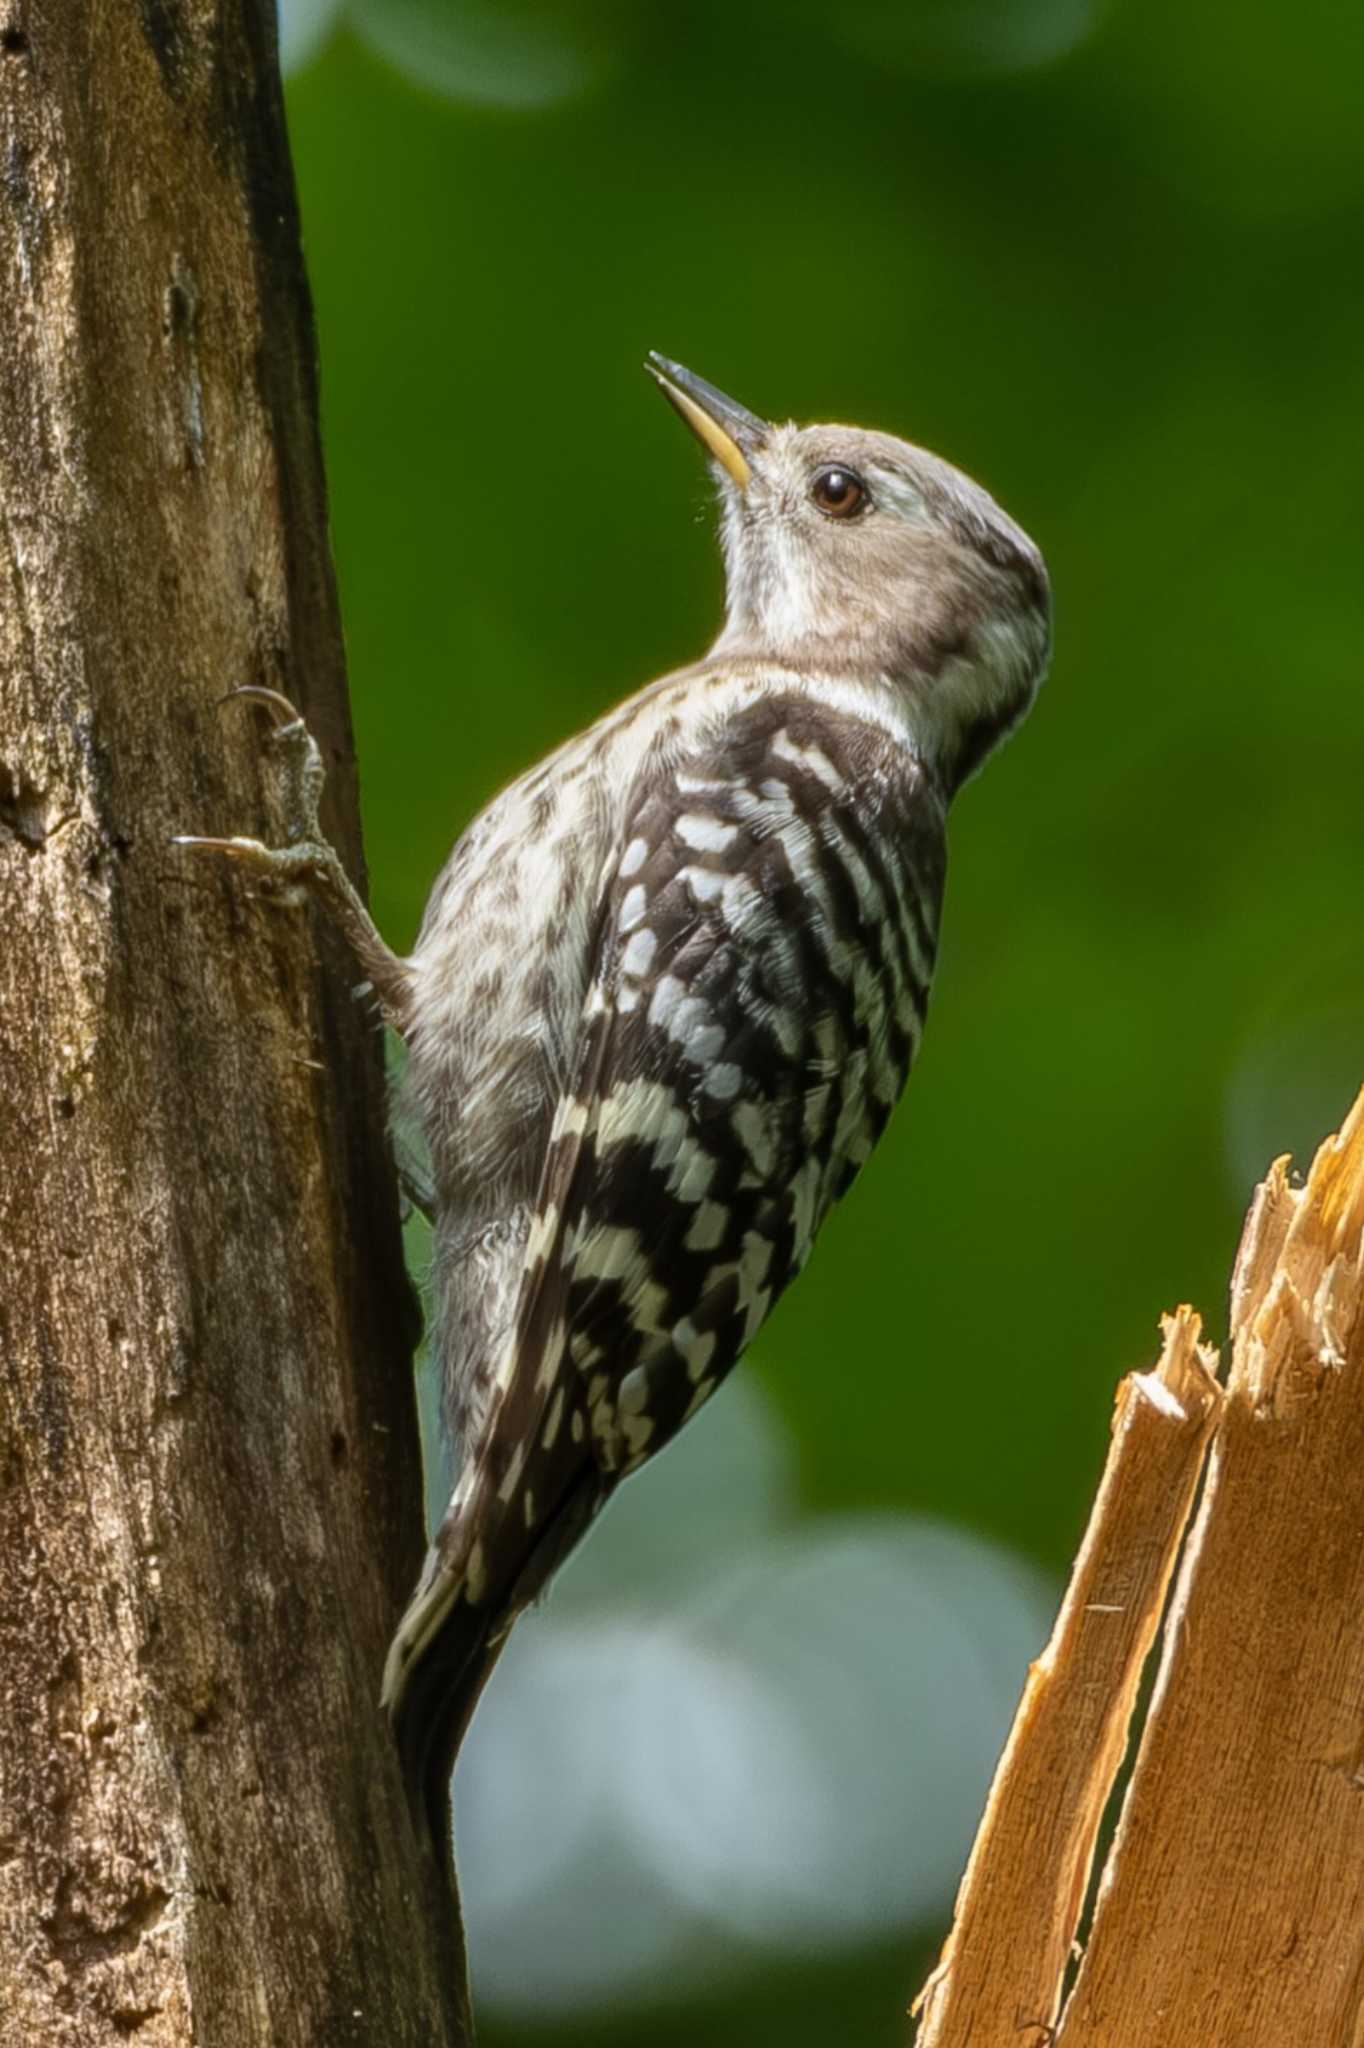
(1019, 1906)
(208, 1476)
(1230, 1911)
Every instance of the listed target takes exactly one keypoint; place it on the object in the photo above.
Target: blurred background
(1106, 257)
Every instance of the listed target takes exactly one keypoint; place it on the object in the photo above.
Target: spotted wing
(763, 961)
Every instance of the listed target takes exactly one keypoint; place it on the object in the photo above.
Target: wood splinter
(1229, 1910)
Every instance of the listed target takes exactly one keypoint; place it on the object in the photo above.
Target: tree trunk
(209, 1481)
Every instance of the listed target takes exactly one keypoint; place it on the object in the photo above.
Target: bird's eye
(839, 493)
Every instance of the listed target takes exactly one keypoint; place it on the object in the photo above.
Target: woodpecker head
(851, 553)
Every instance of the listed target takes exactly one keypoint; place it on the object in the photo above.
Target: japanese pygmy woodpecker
(667, 990)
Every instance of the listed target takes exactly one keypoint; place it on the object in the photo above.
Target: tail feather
(445, 1649)
(431, 1714)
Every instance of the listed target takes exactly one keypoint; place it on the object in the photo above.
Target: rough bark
(1230, 1907)
(209, 1489)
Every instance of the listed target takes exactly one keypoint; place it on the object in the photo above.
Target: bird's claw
(264, 695)
(238, 849)
(308, 857)
(306, 850)
(305, 773)
(294, 863)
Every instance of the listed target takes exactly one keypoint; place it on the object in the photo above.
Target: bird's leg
(309, 858)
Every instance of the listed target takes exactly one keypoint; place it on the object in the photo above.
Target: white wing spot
(668, 993)
(724, 1082)
(751, 1129)
(553, 1420)
(757, 1313)
(826, 923)
(785, 1028)
(549, 1364)
(633, 907)
(577, 1428)
(811, 758)
(639, 1109)
(705, 884)
(695, 1347)
(571, 1120)
(528, 1504)
(816, 1110)
(513, 1475)
(609, 1253)
(705, 833)
(691, 1173)
(740, 901)
(542, 1234)
(475, 1576)
(754, 1262)
(708, 1228)
(804, 1198)
(867, 888)
(634, 857)
(696, 1031)
(688, 1020)
(634, 1393)
(647, 1111)
(638, 956)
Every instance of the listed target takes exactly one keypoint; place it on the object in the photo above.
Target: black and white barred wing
(763, 952)
(764, 955)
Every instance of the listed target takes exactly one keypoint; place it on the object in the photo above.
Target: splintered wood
(1020, 1901)
(1229, 1911)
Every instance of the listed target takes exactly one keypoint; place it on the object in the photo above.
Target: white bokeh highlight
(532, 54)
(732, 1731)
(516, 54)
(304, 26)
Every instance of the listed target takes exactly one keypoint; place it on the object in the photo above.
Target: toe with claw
(310, 858)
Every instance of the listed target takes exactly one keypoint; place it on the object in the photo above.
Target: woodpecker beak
(728, 431)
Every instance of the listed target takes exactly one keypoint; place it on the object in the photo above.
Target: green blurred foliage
(1119, 281)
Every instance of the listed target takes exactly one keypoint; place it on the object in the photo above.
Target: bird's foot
(309, 858)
